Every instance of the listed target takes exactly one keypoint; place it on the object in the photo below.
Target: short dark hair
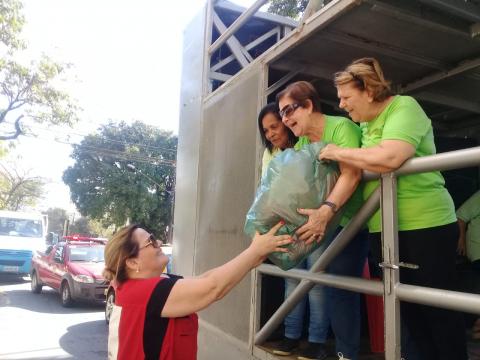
(301, 91)
(272, 108)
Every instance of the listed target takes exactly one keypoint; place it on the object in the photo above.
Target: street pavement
(36, 326)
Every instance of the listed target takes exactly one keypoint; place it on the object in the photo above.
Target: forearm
(462, 227)
(371, 159)
(223, 278)
(344, 187)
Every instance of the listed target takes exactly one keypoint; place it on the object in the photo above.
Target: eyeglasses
(151, 241)
(289, 109)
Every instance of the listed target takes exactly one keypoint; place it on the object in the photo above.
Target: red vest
(137, 331)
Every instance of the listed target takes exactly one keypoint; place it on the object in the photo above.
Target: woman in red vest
(154, 313)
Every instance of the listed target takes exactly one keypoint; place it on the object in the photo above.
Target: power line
(115, 153)
(107, 140)
(60, 132)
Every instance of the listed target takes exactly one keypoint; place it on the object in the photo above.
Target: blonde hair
(366, 74)
(118, 249)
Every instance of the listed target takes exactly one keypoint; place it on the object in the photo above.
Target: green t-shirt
(422, 199)
(344, 133)
(470, 213)
(267, 157)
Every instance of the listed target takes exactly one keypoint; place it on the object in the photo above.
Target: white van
(21, 235)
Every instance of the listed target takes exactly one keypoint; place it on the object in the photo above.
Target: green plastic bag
(293, 179)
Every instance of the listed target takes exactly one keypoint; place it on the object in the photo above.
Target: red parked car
(73, 267)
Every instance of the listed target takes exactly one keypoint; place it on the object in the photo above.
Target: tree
(56, 220)
(29, 91)
(125, 174)
(18, 189)
(289, 8)
(81, 226)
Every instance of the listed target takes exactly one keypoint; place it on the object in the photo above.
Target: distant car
(110, 291)
(74, 268)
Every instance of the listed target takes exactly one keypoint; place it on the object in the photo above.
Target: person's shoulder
(336, 119)
(172, 276)
(343, 122)
(302, 141)
(405, 101)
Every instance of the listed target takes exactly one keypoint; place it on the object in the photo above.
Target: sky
(126, 58)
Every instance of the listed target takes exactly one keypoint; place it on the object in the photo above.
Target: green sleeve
(406, 121)
(347, 134)
(266, 160)
(470, 208)
(302, 141)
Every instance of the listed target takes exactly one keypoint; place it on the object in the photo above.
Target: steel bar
(312, 7)
(391, 273)
(342, 239)
(236, 25)
(249, 46)
(444, 161)
(371, 45)
(233, 43)
(464, 9)
(207, 87)
(283, 81)
(446, 299)
(427, 80)
(219, 76)
(450, 101)
(370, 287)
(416, 19)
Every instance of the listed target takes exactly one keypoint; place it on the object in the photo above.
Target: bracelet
(331, 205)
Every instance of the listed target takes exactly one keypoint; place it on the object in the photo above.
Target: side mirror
(52, 238)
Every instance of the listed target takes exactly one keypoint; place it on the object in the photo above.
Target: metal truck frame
(432, 50)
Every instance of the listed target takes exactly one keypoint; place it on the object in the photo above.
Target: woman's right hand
(268, 242)
(461, 246)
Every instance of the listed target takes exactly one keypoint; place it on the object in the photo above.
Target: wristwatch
(331, 205)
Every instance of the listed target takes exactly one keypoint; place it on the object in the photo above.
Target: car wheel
(36, 285)
(66, 294)
(109, 305)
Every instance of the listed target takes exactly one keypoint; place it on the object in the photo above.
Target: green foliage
(56, 220)
(289, 8)
(28, 91)
(19, 190)
(11, 24)
(104, 188)
(97, 229)
(81, 226)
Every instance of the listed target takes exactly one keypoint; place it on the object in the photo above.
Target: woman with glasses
(154, 313)
(277, 137)
(300, 110)
(394, 129)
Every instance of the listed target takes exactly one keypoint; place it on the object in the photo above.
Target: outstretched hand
(269, 242)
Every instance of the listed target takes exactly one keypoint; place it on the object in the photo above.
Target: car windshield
(20, 227)
(87, 254)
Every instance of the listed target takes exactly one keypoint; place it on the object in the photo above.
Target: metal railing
(392, 290)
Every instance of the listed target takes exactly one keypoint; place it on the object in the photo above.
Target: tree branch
(18, 130)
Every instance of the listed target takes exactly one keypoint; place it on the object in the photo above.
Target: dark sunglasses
(289, 109)
(151, 241)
